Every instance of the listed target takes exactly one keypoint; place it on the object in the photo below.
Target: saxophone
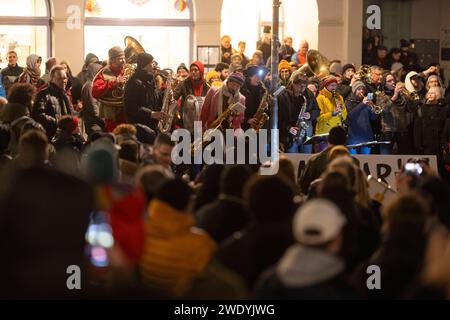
(217, 124)
(301, 124)
(169, 108)
(261, 116)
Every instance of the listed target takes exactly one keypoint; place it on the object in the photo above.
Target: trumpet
(414, 96)
(381, 99)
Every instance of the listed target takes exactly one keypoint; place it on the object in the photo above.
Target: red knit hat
(329, 80)
(68, 123)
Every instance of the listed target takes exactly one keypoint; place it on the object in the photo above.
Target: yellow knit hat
(284, 65)
(212, 74)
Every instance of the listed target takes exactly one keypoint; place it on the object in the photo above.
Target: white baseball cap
(317, 221)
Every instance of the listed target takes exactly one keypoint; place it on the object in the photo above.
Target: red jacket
(100, 86)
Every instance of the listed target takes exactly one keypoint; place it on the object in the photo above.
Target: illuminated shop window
(24, 28)
(163, 28)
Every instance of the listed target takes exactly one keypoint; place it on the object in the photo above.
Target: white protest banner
(378, 165)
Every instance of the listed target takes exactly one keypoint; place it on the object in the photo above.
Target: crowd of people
(89, 181)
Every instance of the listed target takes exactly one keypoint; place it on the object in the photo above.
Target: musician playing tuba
(107, 86)
(141, 99)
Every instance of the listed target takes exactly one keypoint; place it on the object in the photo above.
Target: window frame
(142, 22)
(33, 21)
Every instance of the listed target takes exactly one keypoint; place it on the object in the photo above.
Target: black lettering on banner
(366, 169)
(301, 167)
(399, 163)
(386, 173)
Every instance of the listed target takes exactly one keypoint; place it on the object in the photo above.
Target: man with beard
(219, 99)
(107, 87)
(290, 105)
(195, 84)
(253, 92)
(396, 119)
(344, 87)
(284, 71)
(141, 101)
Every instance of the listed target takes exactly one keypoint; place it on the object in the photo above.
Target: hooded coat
(327, 104)
(305, 273)
(189, 87)
(174, 252)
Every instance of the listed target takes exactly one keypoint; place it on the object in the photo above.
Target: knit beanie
(237, 77)
(336, 68)
(329, 80)
(115, 52)
(253, 69)
(396, 66)
(68, 124)
(182, 66)
(143, 59)
(356, 85)
(348, 66)
(212, 74)
(90, 57)
(235, 55)
(236, 67)
(283, 65)
(296, 74)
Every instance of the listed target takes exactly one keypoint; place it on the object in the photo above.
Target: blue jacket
(359, 116)
(2, 88)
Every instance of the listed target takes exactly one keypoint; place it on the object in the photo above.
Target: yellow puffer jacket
(175, 252)
(327, 104)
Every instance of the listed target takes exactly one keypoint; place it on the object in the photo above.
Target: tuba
(132, 49)
(317, 65)
(191, 111)
(363, 72)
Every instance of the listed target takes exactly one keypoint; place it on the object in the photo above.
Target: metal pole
(274, 71)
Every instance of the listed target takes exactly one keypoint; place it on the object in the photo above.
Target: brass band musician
(108, 87)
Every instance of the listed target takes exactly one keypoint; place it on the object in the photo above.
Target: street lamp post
(274, 71)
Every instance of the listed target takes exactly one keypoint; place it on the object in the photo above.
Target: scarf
(231, 99)
(198, 87)
(30, 72)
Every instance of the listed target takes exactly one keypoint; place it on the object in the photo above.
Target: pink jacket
(210, 106)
